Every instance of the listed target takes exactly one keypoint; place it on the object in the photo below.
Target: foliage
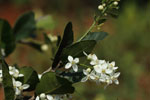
(59, 78)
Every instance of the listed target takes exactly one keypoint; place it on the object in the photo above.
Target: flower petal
(76, 60)
(75, 68)
(116, 82)
(104, 66)
(114, 68)
(93, 62)
(18, 83)
(37, 98)
(17, 92)
(102, 61)
(68, 65)
(94, 57)
(92, 76)
(108, 71)
(39, 76)
(70, 58)
(49, 97)
(97, 68)
(84, 79)
(25, 86)
(116, 75)
(21, 75)
(85, 72)
(112, 63)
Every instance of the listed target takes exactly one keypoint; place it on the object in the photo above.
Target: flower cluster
(18, 85)
(44, 96)
(101, 71)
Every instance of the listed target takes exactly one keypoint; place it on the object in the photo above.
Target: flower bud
(104, 4)
(100, 7)
(42, 96)
(115, 3)
(89, 70)
(44, 47)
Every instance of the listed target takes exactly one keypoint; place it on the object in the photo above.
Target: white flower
(114, 77)
(44, 47)
(43, 96)
(103, 78)
(115, 3)
(72, 63)
(100, 7)
(97, 62)
(19, 87)
(112, 65)
(102, 69)
(90, 56)
(1, 76)
(14, 72)
(89, 75)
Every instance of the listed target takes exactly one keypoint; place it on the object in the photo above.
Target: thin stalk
(94, 23)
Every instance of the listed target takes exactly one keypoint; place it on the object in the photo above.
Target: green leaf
(76, 49)
(66, 41)
(25, 26)
(7, 81)
(30, 77)
(46, 23)
(32, 44)
(97, 36)
(7, 41)
(52, 84)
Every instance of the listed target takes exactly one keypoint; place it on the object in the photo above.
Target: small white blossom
(14, 72)
(90, 56)
(44, 47)
(112, 65)
(100, 7)
(103, 69)
(114, 77)
(89, 75)
(97, 62)
(72, 63)
(19, 87)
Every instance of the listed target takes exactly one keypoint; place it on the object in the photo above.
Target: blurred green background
(128, 42)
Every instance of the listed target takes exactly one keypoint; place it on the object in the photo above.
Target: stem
(85, 66)
(94, 23)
